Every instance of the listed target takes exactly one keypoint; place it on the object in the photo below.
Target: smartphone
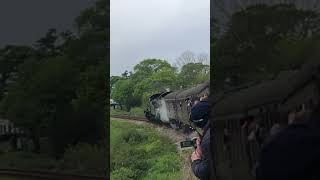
(188, 143)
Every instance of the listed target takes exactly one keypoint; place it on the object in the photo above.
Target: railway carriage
(174, 107)
(242, 119)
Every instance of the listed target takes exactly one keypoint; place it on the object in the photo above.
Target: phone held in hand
(189, 143)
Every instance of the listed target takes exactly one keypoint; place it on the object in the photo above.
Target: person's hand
(198, 150)
(195, 156)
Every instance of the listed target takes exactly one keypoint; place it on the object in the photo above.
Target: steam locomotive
(174, 107)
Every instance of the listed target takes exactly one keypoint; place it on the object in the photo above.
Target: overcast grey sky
(23, 22)
(163, 29)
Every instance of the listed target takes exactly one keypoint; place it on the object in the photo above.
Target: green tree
(147, 67)
(149, 76)
(247, 50)
(90, 48)
(160, 81)
(123, 93)
(10, 58)
(47, 46)
(62, 86)
(193, 73)
(43, 87)
(113, 80)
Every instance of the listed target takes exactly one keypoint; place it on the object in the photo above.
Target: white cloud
(143, 29)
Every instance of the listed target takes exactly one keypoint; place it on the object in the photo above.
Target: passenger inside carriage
(294, 153)
(204, 97)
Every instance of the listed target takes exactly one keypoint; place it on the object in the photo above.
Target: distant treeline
(261, 40)
(151, 76)
(57, 87)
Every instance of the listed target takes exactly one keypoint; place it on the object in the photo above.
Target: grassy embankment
(139, 152)
(82, 159)
(136, 111)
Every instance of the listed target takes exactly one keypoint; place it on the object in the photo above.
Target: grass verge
(136, 112)
(139, 152)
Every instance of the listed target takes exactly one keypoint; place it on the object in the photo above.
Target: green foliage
(137, 111)
(27, 161)
(46, 46)
(11, 57)
(123, 174)
(153, 76)
(138, 152)
(116, 112)
(147, 67)
(59, 83)
(36, 86)
(123, 93)
(85, 159)
(260, 41)
(156, 82)
(113, 80)
(165, 167)
(193, 73)
(133, 137)
(80, 159)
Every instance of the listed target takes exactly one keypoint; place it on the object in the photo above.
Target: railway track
(44, 175)
(133, 118)
(130, 118)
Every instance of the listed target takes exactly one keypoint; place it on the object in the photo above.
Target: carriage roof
(272, 91)
(188, 92)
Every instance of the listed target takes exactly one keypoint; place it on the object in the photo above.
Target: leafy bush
(123, 174)
(85, 159)
(166, 163)
(82, 159)
(27, 160)
(137, 111)
(134, 137)
(138, 152)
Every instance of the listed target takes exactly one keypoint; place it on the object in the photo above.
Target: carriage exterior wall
(307, 96)
(178, 108)
(175, 104)
(235, 152)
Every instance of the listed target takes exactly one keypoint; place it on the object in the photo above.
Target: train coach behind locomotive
(243, 118)
(174, 107)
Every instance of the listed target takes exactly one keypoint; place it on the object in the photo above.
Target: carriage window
(226, 135)
(261, 110)
(310, 104)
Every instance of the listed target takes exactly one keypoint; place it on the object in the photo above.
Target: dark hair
(200, 114)
(314, 120)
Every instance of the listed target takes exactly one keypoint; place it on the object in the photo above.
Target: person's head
(298, 115)
(200, 114)
(291, 116)
(204, 97)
